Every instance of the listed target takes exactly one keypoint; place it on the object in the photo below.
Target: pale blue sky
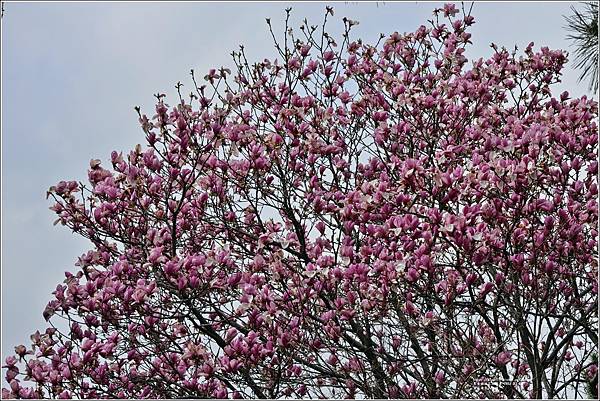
(72, 73)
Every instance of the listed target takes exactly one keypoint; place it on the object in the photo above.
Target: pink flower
(412, 275)
(485, 289)
(503, 358)
(439, 377)
(410, 308)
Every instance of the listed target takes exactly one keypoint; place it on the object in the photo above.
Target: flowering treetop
(347, 220)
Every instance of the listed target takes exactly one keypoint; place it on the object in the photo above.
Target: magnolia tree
(348, 220)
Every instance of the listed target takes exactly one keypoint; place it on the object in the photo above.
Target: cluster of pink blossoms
(349, 220)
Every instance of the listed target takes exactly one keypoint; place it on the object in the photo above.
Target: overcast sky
(72, 73)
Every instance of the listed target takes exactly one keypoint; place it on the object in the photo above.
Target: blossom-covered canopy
(347, 220)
